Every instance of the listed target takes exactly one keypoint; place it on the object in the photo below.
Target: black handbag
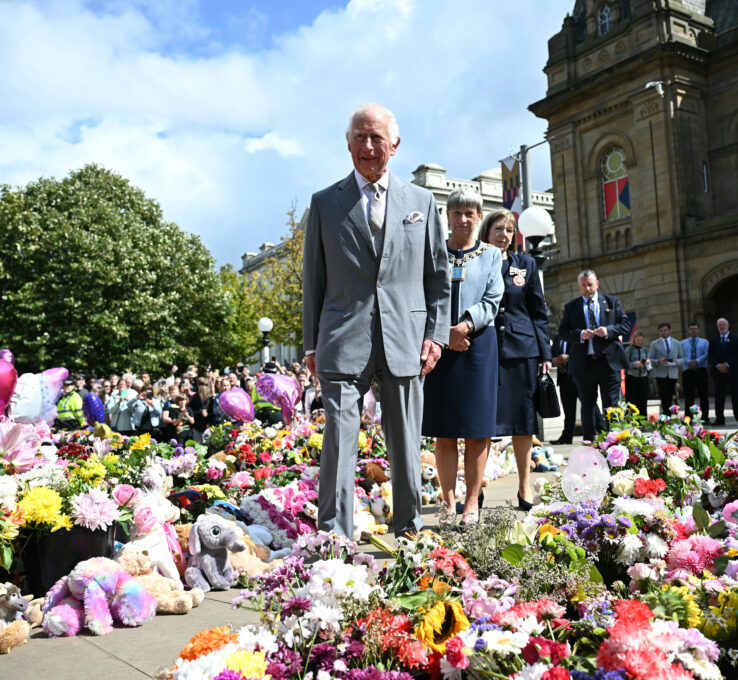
(547, 400)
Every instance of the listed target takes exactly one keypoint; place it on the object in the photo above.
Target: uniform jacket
(345, 285)
(522, 324)
(657, 350)
(612, 317)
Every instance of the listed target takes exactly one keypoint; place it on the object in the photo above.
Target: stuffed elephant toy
(211, 537)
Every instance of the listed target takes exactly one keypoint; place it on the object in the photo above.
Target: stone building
(488, 185)
(642, 107)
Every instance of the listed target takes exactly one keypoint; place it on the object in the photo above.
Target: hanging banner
(511, 191)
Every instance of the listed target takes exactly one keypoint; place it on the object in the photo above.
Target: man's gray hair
(586, 274)
(464, 197)
(392, 127)
(137, 384)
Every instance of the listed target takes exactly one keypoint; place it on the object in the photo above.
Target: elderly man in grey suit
(376, 303)
(666, 355)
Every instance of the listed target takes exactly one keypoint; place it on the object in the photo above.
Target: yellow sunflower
(443, 621)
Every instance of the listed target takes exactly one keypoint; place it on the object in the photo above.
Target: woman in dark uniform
(461, 391)
(523, 342)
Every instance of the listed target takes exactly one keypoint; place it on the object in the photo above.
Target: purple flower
(228, 674)
(323, 656)
(617, 455)
(625, 521)
(296, 606)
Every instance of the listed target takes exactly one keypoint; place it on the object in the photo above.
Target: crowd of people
(182, 405)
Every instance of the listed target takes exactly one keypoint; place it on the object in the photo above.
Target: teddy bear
(170, 597)
(93, 594)
(430, 484)
(13, 634)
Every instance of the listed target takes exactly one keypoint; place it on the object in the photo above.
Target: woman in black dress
(523, 342)
(460, 392)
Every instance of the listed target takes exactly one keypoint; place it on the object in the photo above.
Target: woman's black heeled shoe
(523, 504)
(480, 503)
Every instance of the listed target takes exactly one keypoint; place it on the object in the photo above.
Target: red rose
(556, 673)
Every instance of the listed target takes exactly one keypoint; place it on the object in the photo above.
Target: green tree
(93, 278)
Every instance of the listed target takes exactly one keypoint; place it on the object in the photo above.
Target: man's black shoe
(719, 421)
(562, 440)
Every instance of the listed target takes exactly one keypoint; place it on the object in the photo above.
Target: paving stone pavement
(137, 653)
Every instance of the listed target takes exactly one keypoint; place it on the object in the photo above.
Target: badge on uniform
(457, 273)
(518, 275)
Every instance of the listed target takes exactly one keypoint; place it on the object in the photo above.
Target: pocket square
(413, 217)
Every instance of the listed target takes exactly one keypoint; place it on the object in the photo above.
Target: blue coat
(521, 323)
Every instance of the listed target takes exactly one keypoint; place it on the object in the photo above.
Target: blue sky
(229, 111)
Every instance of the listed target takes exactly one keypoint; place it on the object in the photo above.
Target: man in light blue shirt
(695, 370)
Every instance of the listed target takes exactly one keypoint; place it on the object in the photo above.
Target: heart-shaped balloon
(25, 406)
(587, 476)
(281, 390)
(93, 409)
(7, 355)
(52, 382)
(236, 404)
(8, 379)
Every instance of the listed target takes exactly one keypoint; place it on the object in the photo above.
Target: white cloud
(272, 140)
(227, 138)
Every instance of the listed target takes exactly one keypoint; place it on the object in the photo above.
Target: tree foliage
(93, 278)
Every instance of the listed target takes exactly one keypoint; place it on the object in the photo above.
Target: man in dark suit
(722, 356)
(592, 325)
(567, 388)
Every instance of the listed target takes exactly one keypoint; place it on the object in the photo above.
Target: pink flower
(145, 519)
(617, 455)
(730, 512)
(18, 446)
(241, 479)
(265, 457)
(125, 495)
(454, 654)
(94, 510)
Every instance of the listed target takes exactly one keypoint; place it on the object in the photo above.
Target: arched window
(604, 19)
(615, 188)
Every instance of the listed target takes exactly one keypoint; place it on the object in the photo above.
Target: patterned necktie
(597, 343)
(668, 347)
(694, 349)
(376, 213)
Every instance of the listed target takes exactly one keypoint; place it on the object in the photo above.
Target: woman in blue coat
(523, 343)
(460, 392)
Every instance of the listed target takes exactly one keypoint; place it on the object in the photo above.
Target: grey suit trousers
(402, 414)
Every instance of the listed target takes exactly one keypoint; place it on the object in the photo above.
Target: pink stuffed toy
(95, 592)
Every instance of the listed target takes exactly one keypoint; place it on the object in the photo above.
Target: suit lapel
(349, 198)
(394, 215)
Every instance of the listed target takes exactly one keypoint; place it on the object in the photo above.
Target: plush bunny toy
(211, 537)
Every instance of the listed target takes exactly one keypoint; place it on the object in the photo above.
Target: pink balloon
(7, 355)
(281, 390)
(8, 378)
(236, 404)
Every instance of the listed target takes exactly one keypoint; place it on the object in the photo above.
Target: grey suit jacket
(657, 350)
(344, 283)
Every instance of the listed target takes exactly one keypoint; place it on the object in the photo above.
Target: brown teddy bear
(170, 597)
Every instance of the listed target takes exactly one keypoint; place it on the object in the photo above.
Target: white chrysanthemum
(530, 626)
(534, 672)
(205, 667)
(335, 577)
(504, 642)
(252, 637)
(294, 630)
(328, 618)
(8, 490)
(632, 506)
(630, 550)
(655, 546)
(701, 668)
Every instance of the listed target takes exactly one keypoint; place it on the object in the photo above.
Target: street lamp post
(265, 325)
(535, 224)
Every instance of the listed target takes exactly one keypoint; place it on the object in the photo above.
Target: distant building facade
(643, 128)
(488, 185)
